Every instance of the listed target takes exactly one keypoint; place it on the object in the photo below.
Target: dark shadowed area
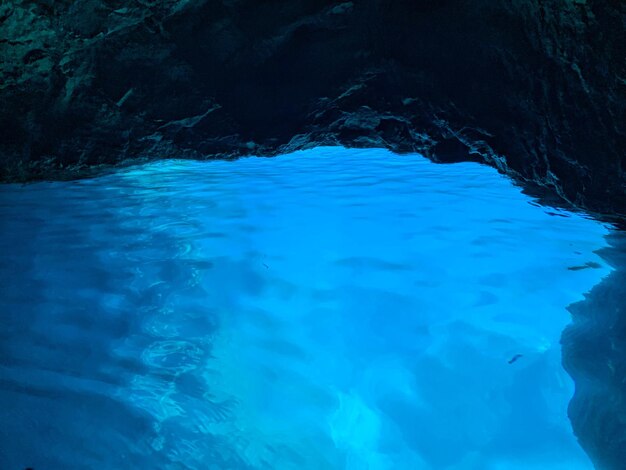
(534, 87)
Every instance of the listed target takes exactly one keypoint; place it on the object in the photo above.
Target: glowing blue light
(330, 308)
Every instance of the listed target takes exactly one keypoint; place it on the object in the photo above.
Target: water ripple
(326, 309)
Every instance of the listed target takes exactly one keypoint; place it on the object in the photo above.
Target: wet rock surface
(535, 87)
(594, 354)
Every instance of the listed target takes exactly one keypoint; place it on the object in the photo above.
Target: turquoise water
(330, 308)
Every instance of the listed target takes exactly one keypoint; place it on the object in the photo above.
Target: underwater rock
(594, 354)
(535, 88)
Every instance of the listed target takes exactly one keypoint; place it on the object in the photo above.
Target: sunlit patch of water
(327, 309)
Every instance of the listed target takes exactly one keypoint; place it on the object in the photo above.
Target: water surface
(327, 309)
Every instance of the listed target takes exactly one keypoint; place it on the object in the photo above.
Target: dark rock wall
(536, 88)
(594, 354)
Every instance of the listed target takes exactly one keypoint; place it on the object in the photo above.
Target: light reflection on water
(328, 309)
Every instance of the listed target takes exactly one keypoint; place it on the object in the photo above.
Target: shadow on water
(89, 368)
(55, 339)
(594, 354)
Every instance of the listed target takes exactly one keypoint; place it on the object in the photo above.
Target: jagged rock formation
(594, 354)
(536, 88)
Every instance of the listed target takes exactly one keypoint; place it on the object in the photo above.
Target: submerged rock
(594, 354)
(535, 88)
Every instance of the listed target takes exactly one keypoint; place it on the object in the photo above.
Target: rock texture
(594, 354)
(536, 88)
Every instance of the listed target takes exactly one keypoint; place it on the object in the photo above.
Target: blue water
(327, 309)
